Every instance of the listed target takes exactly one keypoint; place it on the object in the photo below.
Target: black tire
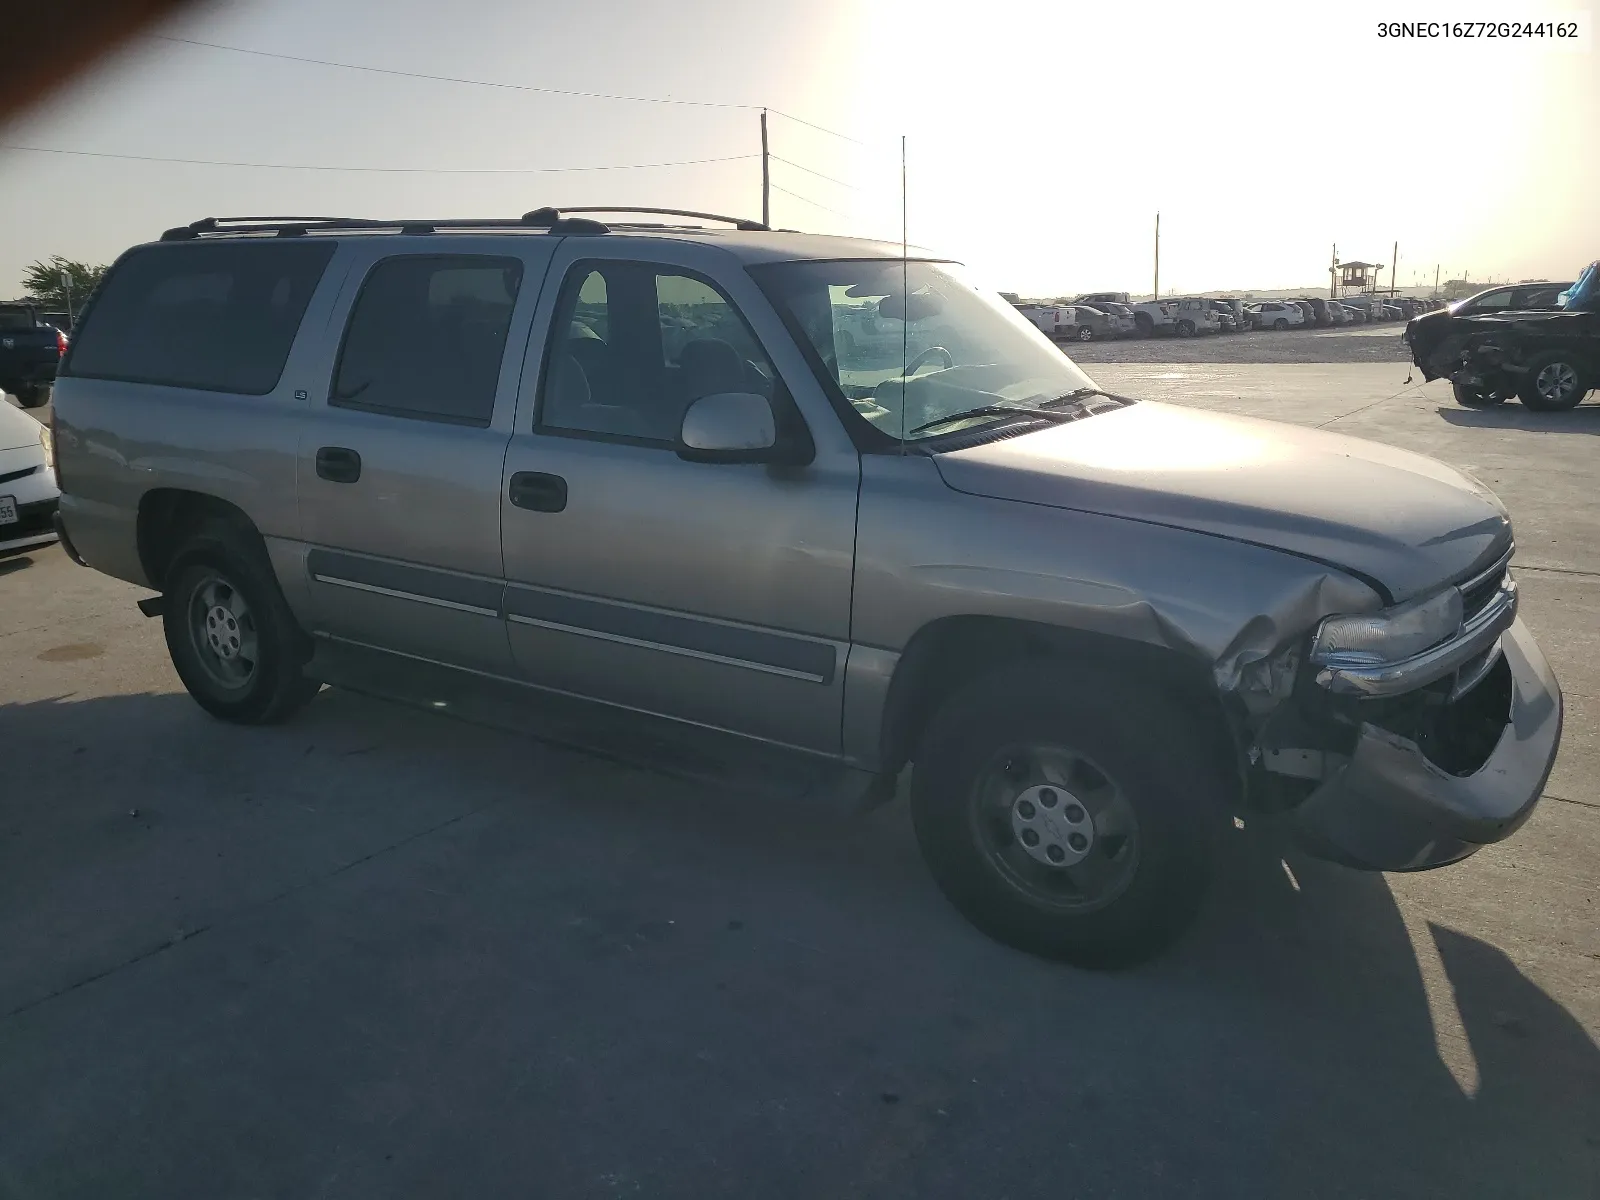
(1554, 382)
(1475, 396)
(32, 395)
(274, 686)
(1185, 329)
(1085, 333)
(1157, 760)
(1280, 324)
(1144, 324)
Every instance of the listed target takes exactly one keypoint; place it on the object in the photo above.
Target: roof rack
(556, 220)
(541, 215)
(298, 226)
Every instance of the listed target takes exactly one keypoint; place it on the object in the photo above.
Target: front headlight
(1390, 636)
(49, 445)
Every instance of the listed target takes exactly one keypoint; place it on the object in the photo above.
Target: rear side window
(426, 337)
(219, 317)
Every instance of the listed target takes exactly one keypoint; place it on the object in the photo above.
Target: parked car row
(1315, 312)
(1099, 315)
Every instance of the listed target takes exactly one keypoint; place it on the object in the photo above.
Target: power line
(778, 112)
(211, 162)
(515, 87)
(808, 200)
(818, 174)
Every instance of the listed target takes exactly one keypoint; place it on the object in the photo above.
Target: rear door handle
(337, 464)
(538, 491)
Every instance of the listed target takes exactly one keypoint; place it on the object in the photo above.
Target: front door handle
(337, 464)
(538, 491)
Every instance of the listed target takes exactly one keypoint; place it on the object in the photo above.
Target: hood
(17, 429)
(1407, 522)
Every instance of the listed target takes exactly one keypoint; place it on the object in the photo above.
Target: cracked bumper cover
(1391, 809)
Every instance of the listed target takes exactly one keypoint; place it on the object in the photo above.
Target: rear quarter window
(216, 317)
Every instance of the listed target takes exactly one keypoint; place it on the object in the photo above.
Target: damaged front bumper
(1390, 808)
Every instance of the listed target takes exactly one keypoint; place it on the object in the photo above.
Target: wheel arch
(948, 653)
(168, 517)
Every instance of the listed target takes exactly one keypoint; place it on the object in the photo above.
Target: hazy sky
(1042, 136)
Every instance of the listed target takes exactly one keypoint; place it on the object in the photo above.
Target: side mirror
(730, 427)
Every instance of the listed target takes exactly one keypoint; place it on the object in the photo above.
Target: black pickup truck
(1549, 358)
(30, 349)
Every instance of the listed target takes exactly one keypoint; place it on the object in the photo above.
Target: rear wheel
(1280, 324)
(32, 395)
(1478, 396)
(1554, 382)
(1185, 329)
(230, 633)
(1059, 822)
(1144, 324)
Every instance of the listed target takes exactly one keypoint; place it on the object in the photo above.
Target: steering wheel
(949, 359)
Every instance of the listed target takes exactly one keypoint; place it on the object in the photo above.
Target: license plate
(8, 510)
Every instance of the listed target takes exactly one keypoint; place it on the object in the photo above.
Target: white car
(28, 492)
(1192, 315)
(1276, 314)
(1050, 319)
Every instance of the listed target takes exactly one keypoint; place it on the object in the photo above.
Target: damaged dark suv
(1547, 357)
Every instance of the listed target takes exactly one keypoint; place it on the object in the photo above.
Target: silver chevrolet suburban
(643, 465)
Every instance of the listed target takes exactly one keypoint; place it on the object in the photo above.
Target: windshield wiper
(995, 410)
(1085, 392)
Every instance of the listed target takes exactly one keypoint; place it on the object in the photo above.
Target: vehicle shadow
(428, 957)
(1512, 415)
(14, 562)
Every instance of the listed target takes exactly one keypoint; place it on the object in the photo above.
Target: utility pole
(1157, 294)
(1436, 279)
(1394, 265)
(66, 287)
(766, 175)
(1333, 274)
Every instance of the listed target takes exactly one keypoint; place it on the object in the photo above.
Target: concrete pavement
(379, 952)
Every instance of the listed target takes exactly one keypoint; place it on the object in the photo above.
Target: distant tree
(44, 282)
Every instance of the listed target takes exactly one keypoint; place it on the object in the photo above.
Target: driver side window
(633, 345)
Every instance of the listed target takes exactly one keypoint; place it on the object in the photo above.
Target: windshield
(905, 362)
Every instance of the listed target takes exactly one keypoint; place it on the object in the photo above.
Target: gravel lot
(1360, 344)
(379, 952)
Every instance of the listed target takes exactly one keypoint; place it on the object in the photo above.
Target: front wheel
(1553, 383)
(1059, 823)
(1085, 333)
(232, 638)
(1478, 396)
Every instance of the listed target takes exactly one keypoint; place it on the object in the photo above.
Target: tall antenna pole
(1157, 295)
(766, 175)
(1333, 274)
(905, 292)
(1394, 265)
(1435, 279)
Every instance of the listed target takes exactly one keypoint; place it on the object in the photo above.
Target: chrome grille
(1480, 589)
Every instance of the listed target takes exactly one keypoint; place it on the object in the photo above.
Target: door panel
(400, 461)
(716, 593)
